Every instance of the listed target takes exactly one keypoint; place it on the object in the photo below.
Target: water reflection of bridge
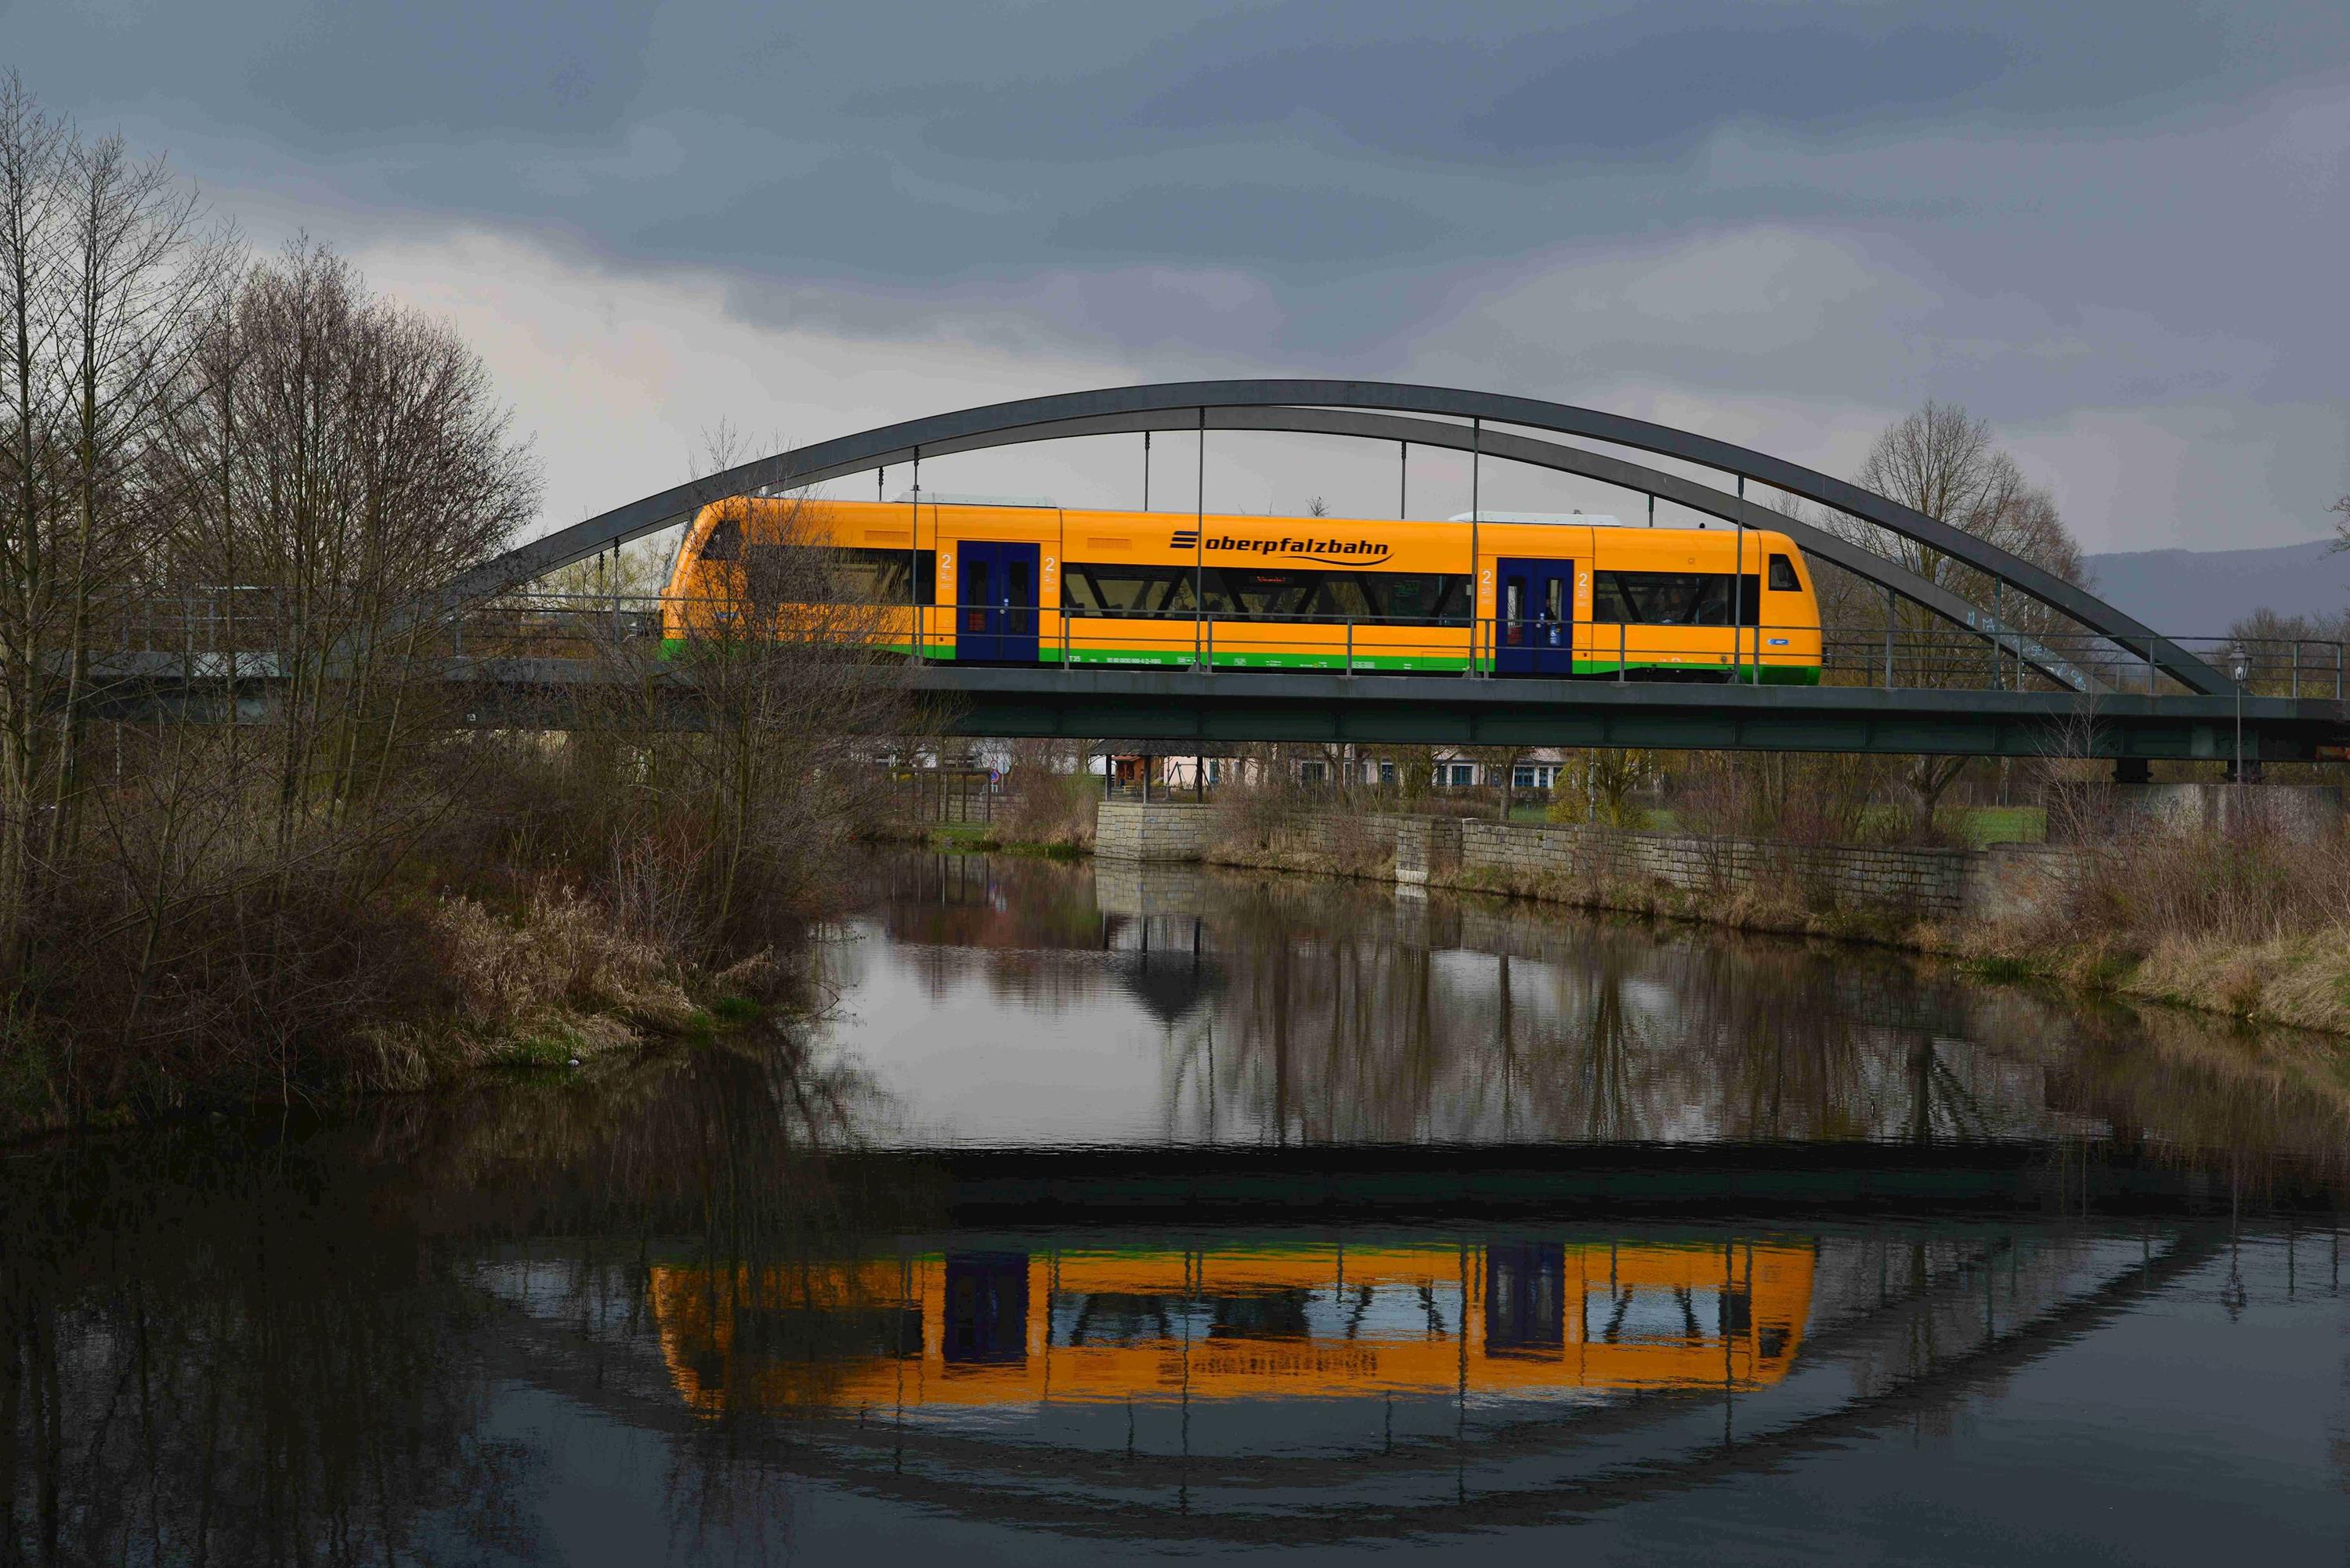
(1005, 1326)
(1287, 1428)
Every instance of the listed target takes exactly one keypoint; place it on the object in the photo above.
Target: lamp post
(2238, 673)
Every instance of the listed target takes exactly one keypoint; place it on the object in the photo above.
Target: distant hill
(2201, 593)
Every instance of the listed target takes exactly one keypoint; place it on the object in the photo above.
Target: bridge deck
(1179, 706)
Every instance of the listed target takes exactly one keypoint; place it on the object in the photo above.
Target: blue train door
(1526, 1297)
(1535, 634)
(995, 604)
(986, 1307)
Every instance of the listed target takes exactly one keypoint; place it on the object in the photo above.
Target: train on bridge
(1028, 583)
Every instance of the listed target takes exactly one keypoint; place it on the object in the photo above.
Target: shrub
(1048, 808)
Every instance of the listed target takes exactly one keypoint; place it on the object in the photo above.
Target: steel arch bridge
(2198, 714)
(1425, 416)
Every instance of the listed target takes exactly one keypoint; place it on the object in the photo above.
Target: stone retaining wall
(1924, 882)
(1336, 836)
(2002, 882)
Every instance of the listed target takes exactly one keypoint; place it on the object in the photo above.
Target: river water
(1112, 1212)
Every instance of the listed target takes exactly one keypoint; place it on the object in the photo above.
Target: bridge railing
(202, 625)
(1944, 658)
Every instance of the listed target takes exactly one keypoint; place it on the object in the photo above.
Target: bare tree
(735, 770)
(106, 271)
(1596, 786)
(1499, 763)
(32, 166)
(1943, 462)
(347, 456)
(139, 279)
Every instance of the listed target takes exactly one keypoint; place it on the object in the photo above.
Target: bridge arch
(1331, 408)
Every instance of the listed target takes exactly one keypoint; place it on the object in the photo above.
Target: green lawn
(1982, 824)
(1976, 824)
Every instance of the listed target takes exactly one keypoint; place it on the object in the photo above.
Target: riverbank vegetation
(242, 467)
(2247, 915)
(1050, 798)
(2249, 918)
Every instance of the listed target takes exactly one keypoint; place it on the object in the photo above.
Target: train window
(1342, 595)
(1119, 1318)
(1438, 597)
(1782, 577)
(1274, 594)
(880, 576)
(803, 574)
(1117, 589)
(1407, 597)
(1121, 589)
(1674, 599)
(725, 540)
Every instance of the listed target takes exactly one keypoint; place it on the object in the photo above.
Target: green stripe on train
(1373, 663)
(1161, 657)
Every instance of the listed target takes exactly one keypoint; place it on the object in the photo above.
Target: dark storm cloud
(1246, 222)
(1508, 85)
(321, 73)
(901, 141)
(1655, 94)
(343, 71)
(2036, 208)
(1616, 89)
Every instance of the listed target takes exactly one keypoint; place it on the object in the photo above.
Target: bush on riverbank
(1048, 809)
(332, 883)
(516, 914)
(2246, 920)
(2253, 922)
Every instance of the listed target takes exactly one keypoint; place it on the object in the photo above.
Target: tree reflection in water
(255, 1345)
(1340, 1013)
(247, 1345)
(230, 1351)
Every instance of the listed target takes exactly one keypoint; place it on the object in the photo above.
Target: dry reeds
(2245, 918)
(1049, 809)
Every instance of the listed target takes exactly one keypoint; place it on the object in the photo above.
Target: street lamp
(2238, 673)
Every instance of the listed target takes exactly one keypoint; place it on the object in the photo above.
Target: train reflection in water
(996, 1327)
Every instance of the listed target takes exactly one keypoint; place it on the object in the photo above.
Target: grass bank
(2250, 923)
(979, 838)
(540, 981)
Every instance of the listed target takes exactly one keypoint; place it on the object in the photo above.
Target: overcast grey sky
(2117, 230)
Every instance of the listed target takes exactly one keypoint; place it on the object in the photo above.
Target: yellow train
(986, 1328)
(1003, 583)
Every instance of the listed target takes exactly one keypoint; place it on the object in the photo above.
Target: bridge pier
(1428, 849)
(1154, 830)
